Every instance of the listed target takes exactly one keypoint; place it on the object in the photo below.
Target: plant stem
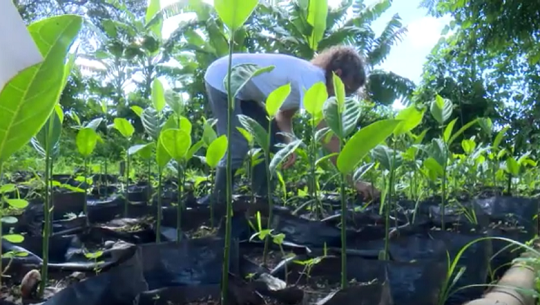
(47, 225)
(269, 193)
(1, 209)
(179, 203)
(212, 198)
(228, 217)
(158, 222)
(126, 202)
(86, 191)
(106, 183)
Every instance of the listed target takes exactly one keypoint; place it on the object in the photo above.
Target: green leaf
(153, 8)
(362, 170)
(448, 130)
(48, 138)
(246, 134)
(362, 142)
(332, 116)
(124, 127)
(434, 167)
(9, 219)
(186, 125)
(461, 130)
(216, 151)
(317, 13)
(28, 99)
(282, 154)
(14, 238)
(176, 142)
(162, 156)
(339, 90)
(144, 150)
(150, 122)
(17, 203)
(349, 117)
(8, 188)
(254, 128)
(498, 138)
(86, 141)
(138, 110)
(512, 166)
(158, 96)
(194, 149)
(242, 74)
(94, 124)
(314, 98)
(209, 134)
(441, 109)
(276, 98)
(234, 13)
(387, 157)
(410, 118)
(174, 100)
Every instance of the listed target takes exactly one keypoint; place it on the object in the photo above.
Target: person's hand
(291, 159)
(367, 190)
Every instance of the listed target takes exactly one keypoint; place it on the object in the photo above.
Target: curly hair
(347, 60)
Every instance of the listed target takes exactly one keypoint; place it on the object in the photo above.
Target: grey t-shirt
(301, 74)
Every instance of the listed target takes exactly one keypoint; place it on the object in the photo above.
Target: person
(344, 61)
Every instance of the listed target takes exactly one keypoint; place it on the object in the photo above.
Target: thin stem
(212, 197)
(228, 217)
(179, 203)
(126, 202)
(1, 209)
(47, 225)
(159, 215)
(269, 193)
(86, 191)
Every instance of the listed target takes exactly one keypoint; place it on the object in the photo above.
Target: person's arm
(284, 122)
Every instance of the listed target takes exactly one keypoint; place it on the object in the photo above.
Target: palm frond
(336, 16)
(392, 34)
(201, 8)
(370, 13)
(385, 87)
(349, 34)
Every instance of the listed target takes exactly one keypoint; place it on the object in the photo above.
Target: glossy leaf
(209, 134)
(17, 203)
(28, 99)
(47, 140)
(138, 110)
(410, 118)
(194, 149)
(387, 157)
(362, 142)
(176, 142)
(234, 13)
(242, 74)
(150, 122)
(276, 98)
(441, 109)
(7, 188)
(162, 156)
(86, 141)
(282, 155)
(246, 134)
(216, 151)
(254, 128)
(351, 111)
(360, 172)
(448, 130)
(316, 17)
(94, 124)
(314, 98)
(158, 95)
(144, 150)
(14, 238)
(174, 100)
(154, 6)
(124, 127)
(461, 130)
(339, 91)
(498, 138)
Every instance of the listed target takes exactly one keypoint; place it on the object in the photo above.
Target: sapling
(215, 152)
(125, 128)
(234, 14)
(273, 102)
(86, 143)
(177, 143)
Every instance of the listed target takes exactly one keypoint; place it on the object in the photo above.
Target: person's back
(300, 73)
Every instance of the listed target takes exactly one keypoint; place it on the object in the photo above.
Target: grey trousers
(239, 146)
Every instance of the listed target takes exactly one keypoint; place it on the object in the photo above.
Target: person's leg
(239, 146)
(259, 178)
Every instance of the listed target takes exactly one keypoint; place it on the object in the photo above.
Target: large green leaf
(410, 118)
(153, 8)
(124, 127)
(175, 101)
(387, 157)
(362, 142)
(158, 95)
(242, 74)
(441, 109)
(276, 98)
(27, 101)
(216, 150)
(349, 117)
(47, 139)
(282, 154)
(176, 142)
(144, 150)
(314, 98)
(317, 12)
(259, 133)
(234, 13)
(86, 141)
(150, 122)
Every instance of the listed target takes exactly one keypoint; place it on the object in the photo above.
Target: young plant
(234, 14)
(337, 115)
(125, 128)
(86, 143)
(23, 113)
(215, 152)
